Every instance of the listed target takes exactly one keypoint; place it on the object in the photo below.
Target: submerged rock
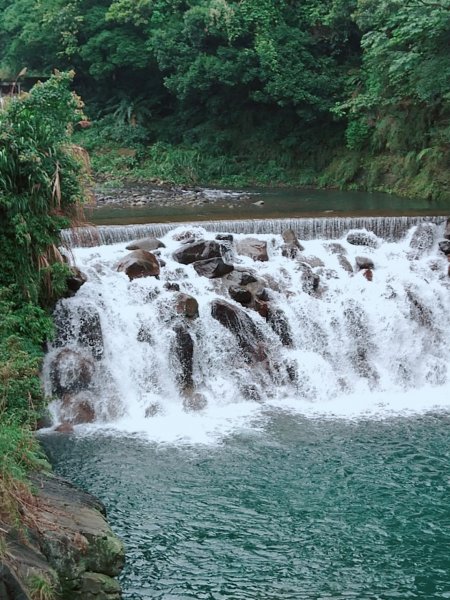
(139, 263)
(278, 321)
(194, 402)
(78, 408)
(90, 333)
(71, 372)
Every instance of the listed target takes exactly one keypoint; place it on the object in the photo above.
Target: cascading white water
(339, 344)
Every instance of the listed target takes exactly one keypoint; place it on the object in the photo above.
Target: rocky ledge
(166, 195)
(67, 551)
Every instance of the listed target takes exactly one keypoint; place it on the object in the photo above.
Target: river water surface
(294, 508)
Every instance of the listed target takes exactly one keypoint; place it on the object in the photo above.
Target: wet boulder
(149, 244)
(242, 327)
(422, 240)
(241, 277)
(240, 295)
(310, 280)
(64, 325)
(198, 251)
(171, 286)
(363, 238)
(186, 305)
(444, 247)
(291, 246)
(363, 262)
(139, 263)
(224, 237)
(183, 350)
(212, 268)
(74, 281)
(368, 274)
(71, 371)
(278, 321)
(254, 248)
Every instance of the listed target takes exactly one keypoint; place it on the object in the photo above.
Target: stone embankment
(64, 549)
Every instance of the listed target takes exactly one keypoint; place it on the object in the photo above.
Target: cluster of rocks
(73, 369)
(65, 548)
(164, 195)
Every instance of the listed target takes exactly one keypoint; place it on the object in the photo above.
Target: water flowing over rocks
(328, 321)
(445, 247)
(67, 544)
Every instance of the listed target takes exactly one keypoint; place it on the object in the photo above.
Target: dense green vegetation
(41, 186)
(332, 92)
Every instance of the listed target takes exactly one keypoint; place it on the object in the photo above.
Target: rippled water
(294, 508)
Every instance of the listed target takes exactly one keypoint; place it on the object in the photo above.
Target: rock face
(149, 244)
(254, 248)
(70, 546)
(212, 268)
(242, 327)
(202, 250)
(362, 238)
(139, 263)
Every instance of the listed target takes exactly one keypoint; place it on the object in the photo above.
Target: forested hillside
(331, 92)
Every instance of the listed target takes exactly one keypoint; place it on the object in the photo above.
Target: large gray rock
(74, 281)
(310, 280)
(254, 248)
(242, 327)
(71, 371)
(202, 250)
(149, 244)
(212, 267)
(279, 323)
(139, 263)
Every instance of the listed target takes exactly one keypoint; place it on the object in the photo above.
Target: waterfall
(388, 228)
(327, 326)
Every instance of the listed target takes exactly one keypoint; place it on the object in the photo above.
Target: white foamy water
(352, 348)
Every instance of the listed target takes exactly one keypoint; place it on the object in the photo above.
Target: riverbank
(64, 547)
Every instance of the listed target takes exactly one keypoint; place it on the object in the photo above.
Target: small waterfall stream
(183, 355)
